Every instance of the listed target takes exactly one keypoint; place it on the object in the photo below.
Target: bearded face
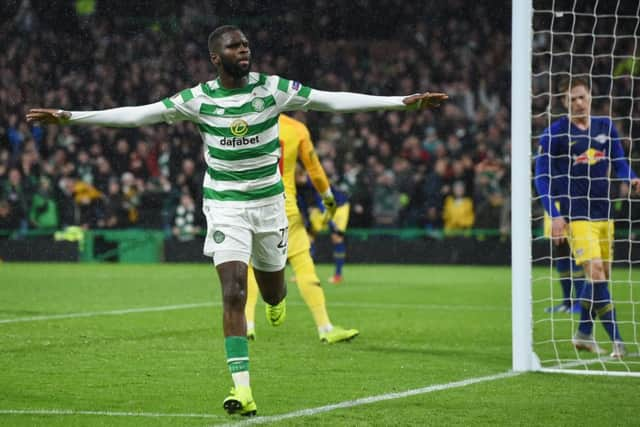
(234, 67)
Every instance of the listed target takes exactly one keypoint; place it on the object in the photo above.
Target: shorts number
(283, 240)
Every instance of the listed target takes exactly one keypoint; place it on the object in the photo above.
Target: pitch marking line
(104, 413)
(217, 304)
(108, 313)
(273, 418)
(372, 399)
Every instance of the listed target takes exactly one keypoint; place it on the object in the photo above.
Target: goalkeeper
(575, 156)
(296, 144)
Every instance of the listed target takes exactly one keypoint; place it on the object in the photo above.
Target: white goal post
(522, 326)
(552, 40)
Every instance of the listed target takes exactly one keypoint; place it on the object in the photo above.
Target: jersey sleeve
(122, 117)
(307, 154)
(291, 95)
(349, 102)
(183, 105)
(542, 178)
(621, 166)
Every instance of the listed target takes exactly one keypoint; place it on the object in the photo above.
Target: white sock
(325, 328)
(241, 378)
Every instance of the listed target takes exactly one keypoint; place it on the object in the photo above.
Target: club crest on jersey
(258, 104)
(589, 157)
(239, 127)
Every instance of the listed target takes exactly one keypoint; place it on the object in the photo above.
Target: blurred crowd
(437, 169)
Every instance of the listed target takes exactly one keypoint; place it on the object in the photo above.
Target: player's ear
(215, 58)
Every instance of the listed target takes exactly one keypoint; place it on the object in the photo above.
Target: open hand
(422, 101)
(48, 116)
(330, 207)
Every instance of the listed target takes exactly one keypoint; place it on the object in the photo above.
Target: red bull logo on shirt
(589, 157)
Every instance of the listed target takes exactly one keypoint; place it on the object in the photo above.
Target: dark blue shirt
(573, 168)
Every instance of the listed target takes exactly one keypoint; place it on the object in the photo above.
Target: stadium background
(397, 167)
(96, 344)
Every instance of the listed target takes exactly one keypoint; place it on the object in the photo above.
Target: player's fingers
(32, 117)
(433, 99)
(42, 111)
(438, 96)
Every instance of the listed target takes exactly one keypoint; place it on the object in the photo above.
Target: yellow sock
(310, 288)
(252, 298)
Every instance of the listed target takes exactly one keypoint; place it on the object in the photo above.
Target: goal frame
(524, 357)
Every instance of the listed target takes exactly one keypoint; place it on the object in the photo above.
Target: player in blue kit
(337, 226)
(576, 155)
(571, 275)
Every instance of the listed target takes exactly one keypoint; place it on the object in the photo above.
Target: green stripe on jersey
(244, 153)
(186, 95)
(243, 196)
(283, 84)
(167, 103)
(221, 92)
(245, 175)
(226, 131)
(257, 105)
(304, 91)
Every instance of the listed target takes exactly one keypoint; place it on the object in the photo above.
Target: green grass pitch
(154, 362)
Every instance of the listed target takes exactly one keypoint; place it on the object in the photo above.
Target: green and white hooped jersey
(239, 128)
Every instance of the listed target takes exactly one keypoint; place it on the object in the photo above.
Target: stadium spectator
(9, 221)
(457, 212)
(386, 198)
(184, 220)
(15, 193)
(436, 188)
(114, 213)
(44, 211)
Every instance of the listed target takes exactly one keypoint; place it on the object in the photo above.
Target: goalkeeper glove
(330, 206)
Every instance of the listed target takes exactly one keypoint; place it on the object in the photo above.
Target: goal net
(596, 41)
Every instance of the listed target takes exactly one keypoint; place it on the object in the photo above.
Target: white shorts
(258, 234)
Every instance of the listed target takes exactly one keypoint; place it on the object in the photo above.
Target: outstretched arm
(115, 117)
(346, 102)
